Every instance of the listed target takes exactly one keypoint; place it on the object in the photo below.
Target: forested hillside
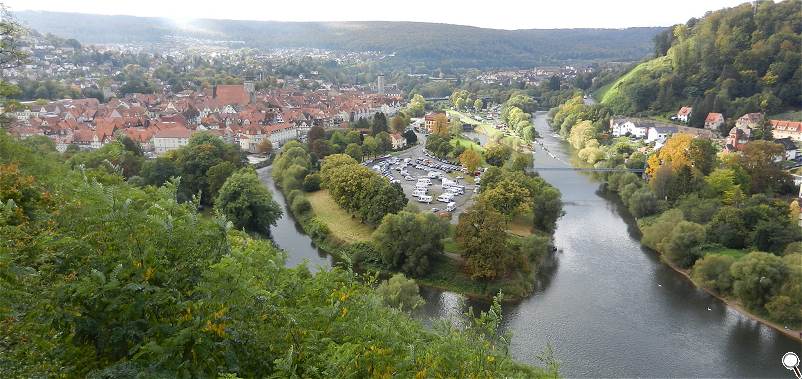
(442, 44)
(733, 61)
(115, 281)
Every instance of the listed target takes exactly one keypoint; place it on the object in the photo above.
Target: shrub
(311, 182)
(400, 292)
(713, 272)
(300, 206)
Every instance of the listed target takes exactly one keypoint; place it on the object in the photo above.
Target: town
(491, 190)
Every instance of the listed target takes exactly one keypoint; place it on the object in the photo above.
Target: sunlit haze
(503, 14)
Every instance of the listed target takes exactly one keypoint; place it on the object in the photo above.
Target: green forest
(438, 44)
(732, 61)
(102, 279)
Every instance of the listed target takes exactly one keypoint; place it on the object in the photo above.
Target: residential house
(791, 150)
(737, 139)
(714, 120)
(621, 126)
(749, 121)
(431, 118)
(398, 141)
(659, 134)
(171, 139)
(787, 129)
(684, 114)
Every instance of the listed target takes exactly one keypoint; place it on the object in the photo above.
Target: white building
(171, 139)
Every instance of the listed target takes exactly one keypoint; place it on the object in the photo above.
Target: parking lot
(409, 166)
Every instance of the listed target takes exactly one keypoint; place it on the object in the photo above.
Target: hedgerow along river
(607, 306)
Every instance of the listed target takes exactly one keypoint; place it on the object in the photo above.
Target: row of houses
(160, 123)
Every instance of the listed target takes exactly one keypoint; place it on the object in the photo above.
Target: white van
(419, 192)
(434, 175)
(421, 186)
(425, 199)
(456, 190)
(451, 206)
(445, 198)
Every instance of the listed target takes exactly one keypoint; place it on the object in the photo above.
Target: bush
(311, 182)
(300, 206)
(682, 246)
(292, 195)
(713, 272)
(400, 292)
(363, 255)
(642, 203)
(317, 229)
(247, 203)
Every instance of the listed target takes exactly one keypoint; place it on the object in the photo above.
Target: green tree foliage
(158, 171)
(497, 154)
(757, 277)
(508, 197)
(728, 228)
(359, 190)
(355, 151)
(247, 203)
(713, 271)
(482, 237)
(682, 245)
(416, 106)
(117, 281)
(439, 146)
(734, 60)
(112, 158)
(400, 292)
(194, 161)
(409, 242)
(378, 124)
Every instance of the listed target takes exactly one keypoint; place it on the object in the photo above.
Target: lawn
(521, 225)
(341, 223)
(467, 144)
(610, 92)
(735, 253)
(790, 115)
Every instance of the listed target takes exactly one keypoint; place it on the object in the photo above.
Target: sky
(499, 14)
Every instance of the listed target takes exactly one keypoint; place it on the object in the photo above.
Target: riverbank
(447, 272)
(732, 303)
(795, 334)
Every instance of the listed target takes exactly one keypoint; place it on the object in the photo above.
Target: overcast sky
(502, 14)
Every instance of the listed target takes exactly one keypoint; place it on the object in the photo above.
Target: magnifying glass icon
(791, 362)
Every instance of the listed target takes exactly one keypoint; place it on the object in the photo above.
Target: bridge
(589, 169)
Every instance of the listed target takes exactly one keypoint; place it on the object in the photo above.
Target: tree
(497, 154)
(194, 160)
(379, 124)
(713, 272)
(355, 151)
(642, 203)
(370, 146)
(315, 133)
(247, 203)
(757, 277)
(410, 137)
(547, 206)
(400, 292)
(728, 228)
(265, 147)
(702, 155)
(673, 154)
(217, 175)
(682, 244)
(478, 104)
(508, 197)
(397, 124)
(409, 242)
(482, 237)
(417, 105)
(158, 171)
(758, 160)
(470, 159)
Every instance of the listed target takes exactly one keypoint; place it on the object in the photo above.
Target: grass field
(341, 223)
(791, 115)
(521, 225)
(735, 253)
(611, 91)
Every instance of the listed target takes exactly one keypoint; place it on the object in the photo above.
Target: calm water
(288, 235)
(607, 306)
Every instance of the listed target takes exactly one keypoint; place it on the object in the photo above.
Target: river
(609, 307)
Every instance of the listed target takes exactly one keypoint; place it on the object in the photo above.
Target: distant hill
(732, 61)
(433, 44)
